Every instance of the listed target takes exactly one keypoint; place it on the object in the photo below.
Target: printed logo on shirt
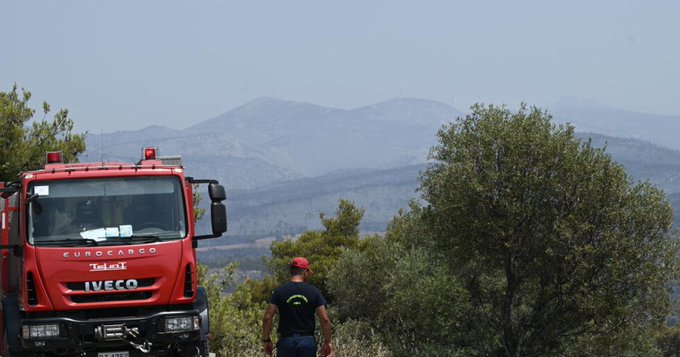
(297, 300)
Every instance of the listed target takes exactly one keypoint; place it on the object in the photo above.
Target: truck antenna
(101, 136)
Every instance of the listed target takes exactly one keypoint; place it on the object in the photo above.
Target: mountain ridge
(294, 139)
(292, 206)
(270, 139)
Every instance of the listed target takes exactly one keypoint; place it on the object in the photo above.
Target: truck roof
(113, 168)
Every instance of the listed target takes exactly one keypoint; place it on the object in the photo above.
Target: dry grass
(351, 347)
(344, 347)
(351, 339)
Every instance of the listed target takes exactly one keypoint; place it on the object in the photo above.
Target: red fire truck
(99, 260)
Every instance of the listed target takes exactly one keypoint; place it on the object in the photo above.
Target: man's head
(299, 266)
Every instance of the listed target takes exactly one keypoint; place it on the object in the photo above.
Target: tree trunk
(509, 338)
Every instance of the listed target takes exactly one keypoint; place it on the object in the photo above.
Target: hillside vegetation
(528, 242)
(589, 117)
(292, 206)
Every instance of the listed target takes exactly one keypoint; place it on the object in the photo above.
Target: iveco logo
(109, 253)
(108, 267)
(111, 285)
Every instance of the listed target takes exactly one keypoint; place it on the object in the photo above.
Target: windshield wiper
(150, 238)
(69, 242)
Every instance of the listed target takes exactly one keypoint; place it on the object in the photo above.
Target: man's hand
(267, 329)
(268, 348)
(325, 329)
(327, 349)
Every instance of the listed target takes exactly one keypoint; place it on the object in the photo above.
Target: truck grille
(90, 298)
(188, 286)
(79, 295)
(141, 283)
(31, 295)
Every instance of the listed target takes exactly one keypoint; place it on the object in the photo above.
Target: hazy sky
(127, 64)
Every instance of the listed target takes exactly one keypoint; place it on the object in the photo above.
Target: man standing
(297, 302)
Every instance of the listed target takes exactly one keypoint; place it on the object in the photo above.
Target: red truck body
(122, 284)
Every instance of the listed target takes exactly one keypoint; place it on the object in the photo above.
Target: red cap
(301, 263)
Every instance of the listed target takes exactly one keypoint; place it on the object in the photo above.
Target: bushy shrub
(403, 295)
(236, 318)
(322, 248)
(358, 339)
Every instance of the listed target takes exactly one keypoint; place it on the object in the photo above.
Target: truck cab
(99, 260)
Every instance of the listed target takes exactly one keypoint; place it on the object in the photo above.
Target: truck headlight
(39, 331)
(182, 324)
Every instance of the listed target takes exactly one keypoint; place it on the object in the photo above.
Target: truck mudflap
(152, 334)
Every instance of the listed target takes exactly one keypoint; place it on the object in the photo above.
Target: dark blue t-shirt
(297, 303)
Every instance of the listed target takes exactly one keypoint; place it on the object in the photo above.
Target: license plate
(114, 354)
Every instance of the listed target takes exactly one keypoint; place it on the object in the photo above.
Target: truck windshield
(105, 211)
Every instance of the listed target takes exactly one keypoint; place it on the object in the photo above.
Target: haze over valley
(284, 162)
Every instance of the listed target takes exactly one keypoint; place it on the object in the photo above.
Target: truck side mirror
(9, 190)
(218, 211)
(216, 192)
(218, 217)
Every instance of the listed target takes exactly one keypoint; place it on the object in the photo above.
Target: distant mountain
(284, 162)
(674, 200)
(206, 155)
(643, 160)
(589, 117)
(312, 140)
(293, 206)
(269, 140)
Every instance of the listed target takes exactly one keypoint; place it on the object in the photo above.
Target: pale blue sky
(127, 64)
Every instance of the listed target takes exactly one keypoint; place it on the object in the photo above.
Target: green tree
(552, 240)
(668, 341)
(321, 248)
(405, 295)
(235, 318)
(197, 198)
(25, 140)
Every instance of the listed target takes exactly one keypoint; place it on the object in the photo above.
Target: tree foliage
(235, 318)
(199, 212)
(548, 234)
(25, 139)
(321, 248)
(404, 294)
(668, 341)
(530, 242)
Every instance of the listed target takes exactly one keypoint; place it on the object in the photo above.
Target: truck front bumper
(155, 332)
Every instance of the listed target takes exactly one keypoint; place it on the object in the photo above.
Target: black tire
(5, 348)
(199, 349)
(202, 305)
(6, 352)
(11, 320)
(204, 348)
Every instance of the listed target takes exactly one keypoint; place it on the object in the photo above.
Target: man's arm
(267, 328)
(325, 329)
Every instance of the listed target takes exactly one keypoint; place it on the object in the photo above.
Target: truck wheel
(8, 352)
(204, 348)
(5, 348)
(11, 323)
(199, 349)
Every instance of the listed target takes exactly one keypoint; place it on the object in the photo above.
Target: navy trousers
(296, 346)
